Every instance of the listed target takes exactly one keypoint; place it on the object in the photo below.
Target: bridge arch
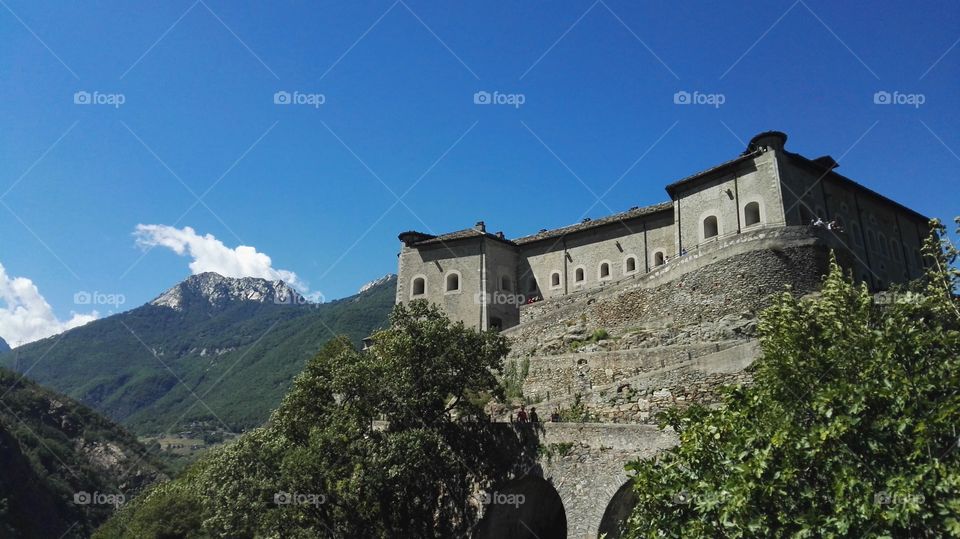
(524, 508)
(617, 512)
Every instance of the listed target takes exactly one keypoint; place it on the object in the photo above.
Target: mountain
(375, 283)
(4, 347)
(62, 463)
(212, 353)
(214, 292)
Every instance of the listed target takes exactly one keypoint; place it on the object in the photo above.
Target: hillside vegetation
(157, 369)
(64, 467)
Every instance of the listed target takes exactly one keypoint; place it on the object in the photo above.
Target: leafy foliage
(349, 474)
(850, 427)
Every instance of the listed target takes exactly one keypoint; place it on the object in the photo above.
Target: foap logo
(890, 298)
(483, 97)
(684, 97)
(502, 498)
(883, 97)
(499, 298)
(896, 498)
(297, 498)
(84, 97)
(98, 298)
(98, 498)
(282, 97)
(293, 298)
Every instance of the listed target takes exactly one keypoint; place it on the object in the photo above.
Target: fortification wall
(729, 277)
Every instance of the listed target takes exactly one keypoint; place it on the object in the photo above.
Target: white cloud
(25, 316)
(210, 254)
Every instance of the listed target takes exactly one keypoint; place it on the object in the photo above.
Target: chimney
(500, 235)
(480, 227)
(773, 140)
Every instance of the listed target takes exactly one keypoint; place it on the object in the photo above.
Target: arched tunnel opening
(617, 512)
(525, 508)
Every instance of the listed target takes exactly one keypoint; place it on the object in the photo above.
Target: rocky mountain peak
(377, 282)
(216, 290)
(4, 347)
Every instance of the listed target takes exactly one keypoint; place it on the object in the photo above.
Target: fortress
(486, 280)
(616, 319)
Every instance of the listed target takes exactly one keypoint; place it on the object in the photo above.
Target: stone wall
(737, 275)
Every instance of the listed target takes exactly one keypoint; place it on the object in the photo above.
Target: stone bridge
(577, 487)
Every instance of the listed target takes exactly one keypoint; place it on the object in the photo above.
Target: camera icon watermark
(296, 498)
(883, 97)
(684, 97)
(84, 297)
(83, 97)
(98, 498)
(283, 97)
(482, 97)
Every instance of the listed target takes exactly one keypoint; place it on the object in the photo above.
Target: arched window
(895, 249)
(883, 243)
(658, 258)
(710, 227)
(419, 286)
(604, 270)
(630, 264)
(506, 284)
(453, 282)
(578, 275)
(555, 279)
(871, 240)
(751, 214)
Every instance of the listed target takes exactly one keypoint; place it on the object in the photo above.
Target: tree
(849, 428)
(366, 444)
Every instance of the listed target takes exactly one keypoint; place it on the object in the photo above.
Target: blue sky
(316, 188)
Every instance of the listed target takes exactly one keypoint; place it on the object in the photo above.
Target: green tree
(849, 429)
(367, 444)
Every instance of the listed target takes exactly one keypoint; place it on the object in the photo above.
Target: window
(555, 279)
(895, 249)
(453, 282)
(658, 258)
(630, 264)
(578, 275)
(604, 270)
(506, 284)
(419, 287)
(883, 243)
(871, 240)
(710, 227)
(751, 214)
(857, 238)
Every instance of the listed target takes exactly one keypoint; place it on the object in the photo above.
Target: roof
(419, 238)
(672, 188)
(585, 225)
(826, 168)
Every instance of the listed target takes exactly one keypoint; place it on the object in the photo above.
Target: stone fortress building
(488, 281)
(614, 320)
